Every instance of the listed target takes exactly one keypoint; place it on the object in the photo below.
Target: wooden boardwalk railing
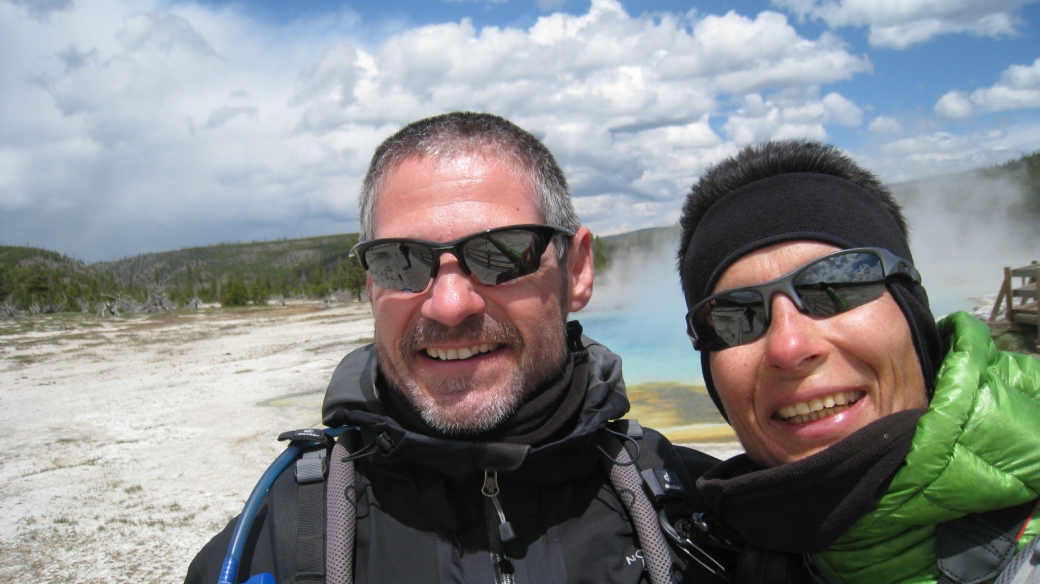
(1020, 303)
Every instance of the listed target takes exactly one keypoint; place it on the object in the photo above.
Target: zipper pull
(490, 490)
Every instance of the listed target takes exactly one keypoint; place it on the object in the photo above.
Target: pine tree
(355, 278)
(259, 293)
(6, 283)
(233, 292)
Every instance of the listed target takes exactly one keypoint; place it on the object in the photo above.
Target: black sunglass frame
(891, 265)
(544, 234)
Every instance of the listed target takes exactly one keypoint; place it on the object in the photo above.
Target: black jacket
(421, 516)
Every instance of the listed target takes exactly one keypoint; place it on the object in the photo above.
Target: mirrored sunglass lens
(731, 319)
(400, 265)
(840, 283)
(501, 256)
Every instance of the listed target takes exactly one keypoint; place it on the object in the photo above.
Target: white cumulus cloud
(899, 24)
(885, 125)
(791, 114)
(1018, 88)
(139, 125)
(955, 105)
(938, 153)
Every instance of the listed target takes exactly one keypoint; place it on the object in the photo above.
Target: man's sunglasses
(492, 257)
(828, 285)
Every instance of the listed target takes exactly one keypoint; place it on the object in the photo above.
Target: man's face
(501, 342)
(866, 355)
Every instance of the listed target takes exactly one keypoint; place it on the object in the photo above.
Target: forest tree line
(39, 281)
(35, 281)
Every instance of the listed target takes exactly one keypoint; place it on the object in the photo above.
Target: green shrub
(6, 283)
(601, 254)
(1017, 341)
(259, 293)
(233, 292)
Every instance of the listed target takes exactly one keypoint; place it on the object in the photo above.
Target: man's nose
(453, 294)
(793, 343)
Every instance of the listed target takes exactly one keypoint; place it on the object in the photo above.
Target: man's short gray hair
(454, 134)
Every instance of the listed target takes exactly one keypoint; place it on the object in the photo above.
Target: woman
(879, 444)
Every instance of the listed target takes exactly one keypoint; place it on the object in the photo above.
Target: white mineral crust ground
(127, 443)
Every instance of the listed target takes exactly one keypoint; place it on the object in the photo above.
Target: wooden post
(1005, 290)
(1036, 302)
(1009, 315)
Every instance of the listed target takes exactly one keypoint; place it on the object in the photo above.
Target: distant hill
(11, 256)
(1026, 171)
(28, 277)
(962, 188)
(35, 280)
(233, 258)
(645, 239)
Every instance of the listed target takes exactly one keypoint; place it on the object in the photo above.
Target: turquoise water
(651, 349)
(638, 311)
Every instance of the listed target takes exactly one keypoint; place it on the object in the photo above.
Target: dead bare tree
(157, 301)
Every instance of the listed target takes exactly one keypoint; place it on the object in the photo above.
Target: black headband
(803, 206)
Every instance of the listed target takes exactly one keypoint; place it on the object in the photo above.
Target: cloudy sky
(130, 126)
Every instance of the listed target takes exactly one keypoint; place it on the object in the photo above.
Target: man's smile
(462, 352)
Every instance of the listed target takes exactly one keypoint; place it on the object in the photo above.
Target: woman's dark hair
(773, 158)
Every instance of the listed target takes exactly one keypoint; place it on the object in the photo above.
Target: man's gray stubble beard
(542, 359)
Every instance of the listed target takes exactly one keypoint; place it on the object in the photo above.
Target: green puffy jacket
(976, 449)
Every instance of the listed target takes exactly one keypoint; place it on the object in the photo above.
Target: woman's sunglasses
(492, 257)
(828, 285)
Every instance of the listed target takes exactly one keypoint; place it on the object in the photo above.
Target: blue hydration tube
(229, 569)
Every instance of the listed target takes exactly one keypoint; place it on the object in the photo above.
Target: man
(881, 446)
(482, 413)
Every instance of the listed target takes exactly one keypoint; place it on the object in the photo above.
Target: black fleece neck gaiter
(804, 506)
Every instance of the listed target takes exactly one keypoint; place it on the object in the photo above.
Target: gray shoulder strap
(341, 514)
(978, 547)
(629, 487)
(1024, 567)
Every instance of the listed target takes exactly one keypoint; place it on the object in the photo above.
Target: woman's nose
(793, 342)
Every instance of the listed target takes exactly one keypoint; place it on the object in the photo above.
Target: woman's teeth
(463, 353)
(819, 408)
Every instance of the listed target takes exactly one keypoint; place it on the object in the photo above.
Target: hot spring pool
(650, 351)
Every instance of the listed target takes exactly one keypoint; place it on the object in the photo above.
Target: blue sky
(130, 126)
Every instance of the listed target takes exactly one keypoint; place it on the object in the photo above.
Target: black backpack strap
(979, 546)
(298, 502)
(310, 516)
(663, 468)
(666, 479)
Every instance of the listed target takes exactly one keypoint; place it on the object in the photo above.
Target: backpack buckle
(312, 466)
(662, 483)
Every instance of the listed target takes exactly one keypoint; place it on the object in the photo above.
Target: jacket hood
(352, 399)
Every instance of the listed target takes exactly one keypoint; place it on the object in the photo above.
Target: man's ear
(580, 269)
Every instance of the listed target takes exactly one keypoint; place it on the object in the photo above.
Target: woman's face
(858, 365)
